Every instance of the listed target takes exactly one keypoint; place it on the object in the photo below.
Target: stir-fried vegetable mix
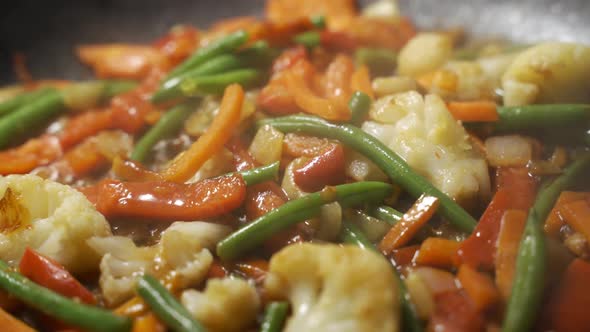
(322, 168)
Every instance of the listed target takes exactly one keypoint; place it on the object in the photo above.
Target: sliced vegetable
(401, 233)
(295, 211)
(379, 60)
(479, 287)
(20, 100)
(359, 104)
(322, 170)
(260, 174)
(10, 323)
(474, 111)
(219, 132)
(577, 215)
(514, 118)
(511, 229)
(69, 311)
(166, 307)
(438, 252)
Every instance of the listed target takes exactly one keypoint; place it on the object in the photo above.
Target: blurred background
(46, 31)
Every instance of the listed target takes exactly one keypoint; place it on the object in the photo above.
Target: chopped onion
(289, 186)
(437, 280)
(82, 96)
(383, 86)
(267, 145)
(374, 228)
(330, 222)
(512, 150)
(420, 295)
(115, 143)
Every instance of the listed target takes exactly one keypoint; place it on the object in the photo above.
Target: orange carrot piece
(10, 323)
(405, 256)
(438, 252)
(569, 303)
(178, 44)
(34, 153)
(511, 230)
(216, 270)
(219, 132)
(121, 60)
(254, 269)
(287, 10)
(361, 81)
(555, 220)
(337, 79)
(455, 311)
(479, 287)
(147, 323)
(412, 221)
(473, 111)
(82, 160)
(84, 125)
(577, 215)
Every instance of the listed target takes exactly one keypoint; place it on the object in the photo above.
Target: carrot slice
(473, 111)
(121, 60)
(554, 220)
(147, 323)
(511, 230)
(569, 303)
(479, 287)
(416, 217)
(287, 10)
(10, 323)
(361, 81)
(219, 132)
(577, 215)
(438, 252)
(455, 311)
(84, 125)
(34, 153)
(405, 256)
(337, 79)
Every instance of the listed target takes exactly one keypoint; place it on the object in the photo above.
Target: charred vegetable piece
(292, 212)
(527, 289)
(166, 307)
(389, 162)
(69, 311)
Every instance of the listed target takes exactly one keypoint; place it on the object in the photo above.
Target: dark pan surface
(47, 31)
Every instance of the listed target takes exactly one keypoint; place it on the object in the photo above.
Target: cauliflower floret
(52, 218)
(225, 305)
(182, 253)
(424, 133)
(549, 73)
(424, 53)
(335, 288)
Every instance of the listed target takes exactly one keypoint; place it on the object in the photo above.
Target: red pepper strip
(50, 274)
(337, 79)
(516, 190)
(325, 169)
(83, 126)
(170, 201)
(455, 312)
(178, 44)
(338, 40)
(82, 160)
(569, 303)
(216, 270)
(25, 158)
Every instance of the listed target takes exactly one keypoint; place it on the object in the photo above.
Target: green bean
(514, 118)
(220, 46)
(352, 234)
(30, 116)
(88, 317)
(387, 160)
(318, 21)
(274, 317)
(309, 39)
(216, 84)
(292, 212)
(165, 306)
(379, 60)
(20, 100)
(168, 125)
(257, 54)
(260, 174)
(116, 87)
(386, 213)
(359, 104)
(527, 290)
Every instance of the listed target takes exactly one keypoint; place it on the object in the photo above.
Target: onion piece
(267, 145)
(511, 150)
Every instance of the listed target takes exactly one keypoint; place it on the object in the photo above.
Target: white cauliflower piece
(549, 73)
(225, 305)
(424, 133)
(182, 253)
(335, 288)
(424, 53)
(52, 218)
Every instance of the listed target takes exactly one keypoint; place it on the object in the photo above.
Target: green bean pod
(220, 46)
(275, 315)
(359, 104)
(564, 116)
(352, 234)
(379, 60)
(309, 39)
(260, 174)
(88, 317)
(30, 116)
(165, 306)
(20, 100)
(387, 160)
(169, 124)
(529, 282)
(386, 213)
(216, 84)
(292, 212)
